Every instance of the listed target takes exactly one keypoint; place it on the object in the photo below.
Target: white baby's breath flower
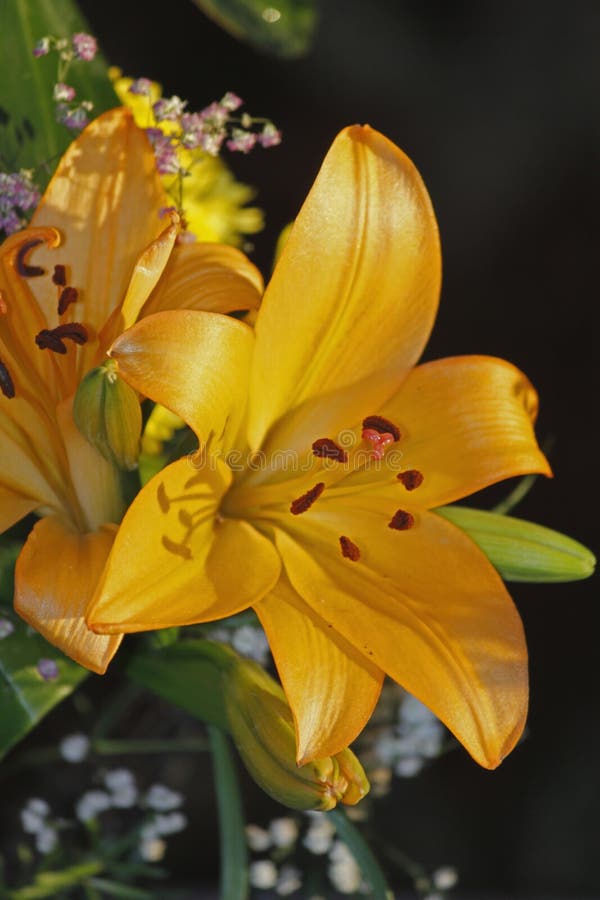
(46, 839)
(319, 835)
(74, 747)
(91, 804)
(162, 798)
(152, 849)
(263, 874)
(258, 838)
(283, 831)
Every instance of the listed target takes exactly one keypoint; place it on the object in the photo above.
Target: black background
(498, 105)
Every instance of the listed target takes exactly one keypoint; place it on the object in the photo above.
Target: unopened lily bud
(262, 727)
(107, 412)
(521, 550)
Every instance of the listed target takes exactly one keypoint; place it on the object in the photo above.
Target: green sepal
(108, 414)
(521, 550)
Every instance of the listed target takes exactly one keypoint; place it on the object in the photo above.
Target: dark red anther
(6, 383)
(68, 295)
(383, 426)
(53, 338)
(349, 549)
(402, 520)
(306, 500)
(325, 448)
(60, 275)
(23, 267)
(411, 479)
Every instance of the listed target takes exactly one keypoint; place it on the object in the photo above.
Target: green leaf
(521, 550)
(24, 695)
(29, 134)
(185, 675)
(234, 852)
(282, 28)
(51, 884)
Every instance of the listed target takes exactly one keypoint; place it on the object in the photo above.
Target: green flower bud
(521, 550)
(107, 412)
(262, 727)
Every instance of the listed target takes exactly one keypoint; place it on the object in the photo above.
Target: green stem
(234, 853)
(518, 493)
(108, 746)
(361, 852)
(116, 709)
(51, 884)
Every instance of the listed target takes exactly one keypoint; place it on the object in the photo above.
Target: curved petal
(174, 563)
(332, 698)
(211, 277)
(466, 422)
(145, 276)
(105, 198)
(426, 606)
(55, 577)
(355, 291)
(194, 363)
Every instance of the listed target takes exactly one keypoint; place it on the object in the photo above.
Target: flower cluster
(187, 145)
(72, 113)
(18, 195)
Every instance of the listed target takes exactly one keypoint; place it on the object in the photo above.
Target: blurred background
(497, 104)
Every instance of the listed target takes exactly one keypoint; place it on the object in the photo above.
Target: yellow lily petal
(424, 605)
(194, 363)
(172, 560)
(146, 273)
(104, 198)
(331, 688)
(211, 277)
(354, 294)
(465, 423)
(55, 577)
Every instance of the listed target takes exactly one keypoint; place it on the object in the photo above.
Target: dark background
(497, 103)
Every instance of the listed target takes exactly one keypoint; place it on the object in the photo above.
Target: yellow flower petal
(146, 273)
(354, 294)
(104, 198)
(209, 277)
(424, 605)
(55, 577)
(174, 564)
(465, 423)
(194, 363)
(13, 507)
(331, 688)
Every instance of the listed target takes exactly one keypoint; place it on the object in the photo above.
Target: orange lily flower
(96, 257)
(323, 455)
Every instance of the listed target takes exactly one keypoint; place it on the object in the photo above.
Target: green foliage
(282, 28)
(24, 695)
(29, 134)
(184, 674)
(521, 550)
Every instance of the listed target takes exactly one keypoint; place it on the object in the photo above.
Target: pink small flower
(231, 101)
(241, 141)
(164, 152)
(269, 136)
(42, 48)
(76, 118)
(168, 109)
(140, 86)
(47, 669)
(63, 92)
(85, 46)
(215, 114)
